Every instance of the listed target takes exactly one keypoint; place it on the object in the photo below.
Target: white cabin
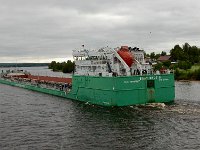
(107, 62)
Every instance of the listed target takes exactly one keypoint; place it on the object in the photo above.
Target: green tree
(186, 53)
(68, 67)
(152, 55)
(184, 65)
(158, 66)
(167, 63)
(52, 64)
(194, 54)
(157, 56)
(64, 67)
(163, 53)
(177, 74)
(177, 53)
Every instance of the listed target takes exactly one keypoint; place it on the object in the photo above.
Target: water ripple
(31, 120)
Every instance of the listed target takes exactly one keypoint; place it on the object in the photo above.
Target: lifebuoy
(144, 71)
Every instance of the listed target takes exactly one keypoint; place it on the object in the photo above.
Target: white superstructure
(107, 62)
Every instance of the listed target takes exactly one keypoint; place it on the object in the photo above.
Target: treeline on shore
(187, 62)
(65, 67)
(191, 74)
(23, 64)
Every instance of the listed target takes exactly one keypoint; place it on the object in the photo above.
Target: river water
(31, 120)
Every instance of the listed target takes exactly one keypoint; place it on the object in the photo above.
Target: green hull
(114, 91)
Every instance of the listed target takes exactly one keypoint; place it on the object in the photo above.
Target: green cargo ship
(108, 77)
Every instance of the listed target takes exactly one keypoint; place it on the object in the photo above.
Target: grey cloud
(52, 28)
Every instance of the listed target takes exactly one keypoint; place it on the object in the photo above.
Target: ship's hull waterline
(113, 91)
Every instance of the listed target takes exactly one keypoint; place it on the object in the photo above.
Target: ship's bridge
(108, 62)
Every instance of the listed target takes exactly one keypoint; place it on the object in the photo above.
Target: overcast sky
(46, 30)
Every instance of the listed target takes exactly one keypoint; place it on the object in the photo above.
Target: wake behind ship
(108, 77)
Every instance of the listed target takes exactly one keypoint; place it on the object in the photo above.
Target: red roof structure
(164, 58)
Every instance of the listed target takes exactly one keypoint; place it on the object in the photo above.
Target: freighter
(107, 76)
